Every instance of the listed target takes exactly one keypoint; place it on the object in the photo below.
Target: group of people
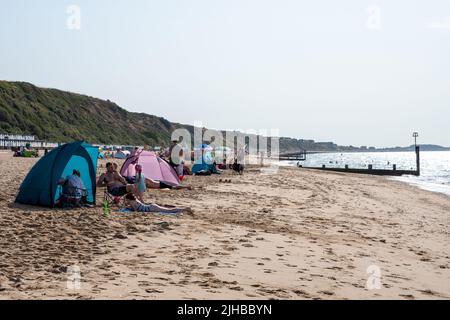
(73, 190)
(133, 188)
(174, 155)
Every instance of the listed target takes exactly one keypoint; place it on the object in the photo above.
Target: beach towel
(173, 214)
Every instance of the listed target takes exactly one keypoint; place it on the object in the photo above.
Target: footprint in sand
(237, 289)
(326, 292)
(269, 271)
(429, 292)
(291, 265)
(153, 291)
(301, 293)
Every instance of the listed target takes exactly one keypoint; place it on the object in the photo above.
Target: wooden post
(323, 166)
(346, 167)
(418, 160)
(394, 167)
(370, 167)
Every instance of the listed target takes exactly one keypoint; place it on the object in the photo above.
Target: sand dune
(297, 234)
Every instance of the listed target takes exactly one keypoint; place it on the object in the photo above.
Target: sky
(354, 72)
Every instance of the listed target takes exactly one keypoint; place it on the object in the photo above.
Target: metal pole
(415, 135)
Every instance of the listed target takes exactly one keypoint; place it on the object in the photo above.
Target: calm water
(435, 166)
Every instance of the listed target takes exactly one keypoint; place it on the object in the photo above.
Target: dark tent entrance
(82, 162)
(40, 187)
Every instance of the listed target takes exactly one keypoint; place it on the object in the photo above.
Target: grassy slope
(61, 116)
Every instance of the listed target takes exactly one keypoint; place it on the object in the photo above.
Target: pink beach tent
(153, 167)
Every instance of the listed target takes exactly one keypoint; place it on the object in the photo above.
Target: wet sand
(296, 234)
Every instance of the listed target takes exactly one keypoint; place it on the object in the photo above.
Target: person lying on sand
(153, 184)
(141, 183)
(139, 206)
(115, 183)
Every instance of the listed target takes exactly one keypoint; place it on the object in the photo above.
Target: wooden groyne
(376, 172)
(372, 171)
(293, 156)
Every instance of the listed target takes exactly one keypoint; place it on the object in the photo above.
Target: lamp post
(417, 148)
(415, 135)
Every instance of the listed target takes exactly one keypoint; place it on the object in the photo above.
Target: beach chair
(110, 200)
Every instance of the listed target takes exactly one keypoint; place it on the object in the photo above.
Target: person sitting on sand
(139, 206)
(115, 183)
(73, 189)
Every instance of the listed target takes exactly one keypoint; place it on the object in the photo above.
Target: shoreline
(442, 189)
(297, 234)
(429, 180)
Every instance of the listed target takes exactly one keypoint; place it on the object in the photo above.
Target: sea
(435, 165)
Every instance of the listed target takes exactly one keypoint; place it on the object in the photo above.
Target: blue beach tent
(40, 186)
(205, 164)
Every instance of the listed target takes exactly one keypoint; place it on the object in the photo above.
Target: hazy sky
(351, 71)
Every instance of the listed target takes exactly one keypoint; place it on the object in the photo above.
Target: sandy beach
(296, 234)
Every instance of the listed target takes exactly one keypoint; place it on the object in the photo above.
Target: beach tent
(153, 167)
(205, 146)
(206, 164)
(40, 186)
(122, 154)
(204, 167)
